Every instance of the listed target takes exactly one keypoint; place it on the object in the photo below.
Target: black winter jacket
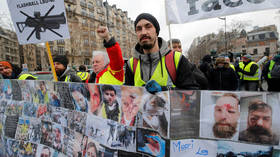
(223, 79)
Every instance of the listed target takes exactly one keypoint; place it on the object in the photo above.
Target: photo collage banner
(53, 119)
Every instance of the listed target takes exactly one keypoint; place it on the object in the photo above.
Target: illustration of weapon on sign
(42, 23)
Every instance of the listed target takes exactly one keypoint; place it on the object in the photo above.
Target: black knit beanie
(61, 59)
(150, 18)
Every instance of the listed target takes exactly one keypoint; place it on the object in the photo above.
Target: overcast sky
(188, 31)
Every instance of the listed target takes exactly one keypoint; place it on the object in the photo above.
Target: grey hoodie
(147, 68)
(185, 78)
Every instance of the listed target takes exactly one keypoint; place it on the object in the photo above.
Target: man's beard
(148, 46)
(260, 134)
(224, 131)
(59, 72)
(258, 130)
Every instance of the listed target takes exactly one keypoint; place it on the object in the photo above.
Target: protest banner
(179, 11)
(135, 122)
(39, 21)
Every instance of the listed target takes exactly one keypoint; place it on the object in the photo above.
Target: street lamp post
(225, 19)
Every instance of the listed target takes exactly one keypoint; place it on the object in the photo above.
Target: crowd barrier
(43, 118)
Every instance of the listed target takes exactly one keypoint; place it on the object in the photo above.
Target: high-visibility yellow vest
(108, 78)
(25, 76)
(232, 66)
(67, 78)
(271, 64)
(104, 115)
(162, 80)
(83, 75)
(247, 69)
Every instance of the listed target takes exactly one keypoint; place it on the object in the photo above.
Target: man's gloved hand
(153, 87)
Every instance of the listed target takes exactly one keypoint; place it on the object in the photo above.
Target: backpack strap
(135, 62)
(170, 65)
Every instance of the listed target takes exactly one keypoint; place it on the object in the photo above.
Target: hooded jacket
(185, 78)
(70, 73)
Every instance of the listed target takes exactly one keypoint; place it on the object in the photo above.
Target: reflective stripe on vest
(271, 65)
(164, 80)
(67, 79)
(24, 76)
(83, 75)
(232, 66)
(108, 78)
(247, 69)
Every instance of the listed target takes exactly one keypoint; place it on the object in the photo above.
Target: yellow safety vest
(271, 64)
(232, 66)
(108, 78)
(247, 69)
(24, 76)
(83, 75)
(164, 80)
(104, 115)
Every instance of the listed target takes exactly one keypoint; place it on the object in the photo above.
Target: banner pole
(51, 61)
(168, 24)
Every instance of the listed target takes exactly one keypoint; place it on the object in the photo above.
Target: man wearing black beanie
(63, 72)
(153, 65)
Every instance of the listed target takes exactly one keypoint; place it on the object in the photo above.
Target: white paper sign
(181, 11)
(38, 21)
(193, 148)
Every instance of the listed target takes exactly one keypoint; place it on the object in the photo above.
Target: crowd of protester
(159, 65)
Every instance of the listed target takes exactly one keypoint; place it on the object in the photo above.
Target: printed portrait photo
(40, 95)
(44, 151)
(44, 112)
(54, 97)
(27, 88)
(184, 114)
(79, 145)
(77, 121)
(22, 132)
(155, 113)
(80, 96)
(59, 115)
(95, 103)
(30, 109)
(260, 118)
(46, 133)
(111, 106)
(98, 128)
(14, 108)
(27, 149)
(219, 115)
(12, 147)
(150, 142)
(131, 104)
(57, 134)
(34, 131)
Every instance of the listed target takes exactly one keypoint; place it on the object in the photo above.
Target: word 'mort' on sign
(210, 5)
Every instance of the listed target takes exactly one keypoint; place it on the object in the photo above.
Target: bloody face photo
(131, 103)
(95, 99)
(80, 96)
(150, 142)
(260, 125)
(220, 115)
(155, 113)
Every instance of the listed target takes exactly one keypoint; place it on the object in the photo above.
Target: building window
(90, 5)
(267, 49)
(60, 42)
(84, 22)
(255, 51)
(85, 42)
(99, 3)
(243, 46)
(83, 3)
(272, 35)
(262, 36)
(84, 12)
(60, 50)
(87, 62)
